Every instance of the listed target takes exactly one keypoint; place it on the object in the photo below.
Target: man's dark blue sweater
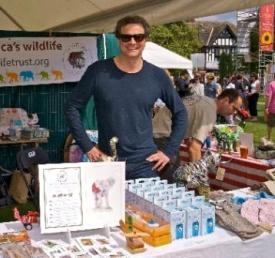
(124, 103)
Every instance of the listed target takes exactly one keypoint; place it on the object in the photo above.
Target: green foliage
(254, 48)
(226, 67)
(7, 213)
(177, 37)
(258, 128)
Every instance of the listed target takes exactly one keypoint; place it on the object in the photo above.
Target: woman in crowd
(196, 86)
(253, 96)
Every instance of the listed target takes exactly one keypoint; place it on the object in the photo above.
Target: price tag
(220, 174)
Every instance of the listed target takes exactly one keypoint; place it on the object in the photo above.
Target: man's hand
(95, 154)
(160, 159)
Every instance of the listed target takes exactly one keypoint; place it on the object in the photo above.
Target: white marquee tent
(101, 15)
(165, 58)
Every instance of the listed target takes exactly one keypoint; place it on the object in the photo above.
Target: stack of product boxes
(188, 215)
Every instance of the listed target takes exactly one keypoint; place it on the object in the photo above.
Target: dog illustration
(100, 189)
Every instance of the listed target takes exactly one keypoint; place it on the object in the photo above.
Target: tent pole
(104, 46)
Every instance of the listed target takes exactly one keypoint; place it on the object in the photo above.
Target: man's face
(226, 108)
(186, 76)
(132, 47)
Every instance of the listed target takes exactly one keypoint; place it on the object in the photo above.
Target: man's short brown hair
(231, 94)
(132, 20)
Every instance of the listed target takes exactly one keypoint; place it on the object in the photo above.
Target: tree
(177, 37)
(226, 67)
(254, 48)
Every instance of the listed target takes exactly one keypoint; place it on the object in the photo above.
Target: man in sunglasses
(125, 89)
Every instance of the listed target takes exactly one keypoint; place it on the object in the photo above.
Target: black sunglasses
(128, 37)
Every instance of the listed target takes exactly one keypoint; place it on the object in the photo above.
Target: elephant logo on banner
(44, 75)
(77, 59)
(2, 80)
(58, 75)
(13, 77)
(26, 75)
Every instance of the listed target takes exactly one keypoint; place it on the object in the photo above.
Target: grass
(257, 128)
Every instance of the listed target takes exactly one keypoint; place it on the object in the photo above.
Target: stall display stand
(239, 172)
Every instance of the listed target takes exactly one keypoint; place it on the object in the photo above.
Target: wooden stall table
(239, 172)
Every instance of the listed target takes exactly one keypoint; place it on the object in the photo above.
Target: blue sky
(231, 17)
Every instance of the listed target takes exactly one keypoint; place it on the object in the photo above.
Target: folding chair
(5, 199)
(27, 161)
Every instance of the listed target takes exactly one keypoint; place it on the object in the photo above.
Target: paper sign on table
(79, 196)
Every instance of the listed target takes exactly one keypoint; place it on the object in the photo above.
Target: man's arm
(178, 127)
(77, 100)
(194, 149)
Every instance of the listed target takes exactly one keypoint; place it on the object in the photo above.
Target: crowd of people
(150, 113)
(210, 85)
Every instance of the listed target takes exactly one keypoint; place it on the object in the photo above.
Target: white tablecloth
(220, 244)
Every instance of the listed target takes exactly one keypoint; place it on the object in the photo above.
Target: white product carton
(184, 202)
(198, 200)
(171, 186)
(188, 194)
(169, 205)
(207, 219)
(133, 187)
(193, 228)
(158, 200)
(158, 187)
(176, 218)
(164, 193)
(154, 180)
(140, 192)
(161, 182)
(141, 180)
(178, 191)
(178, 224)
(174, 197)
(129, 182)
(149, 196)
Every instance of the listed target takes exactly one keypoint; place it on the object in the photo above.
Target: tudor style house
(217, 38)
